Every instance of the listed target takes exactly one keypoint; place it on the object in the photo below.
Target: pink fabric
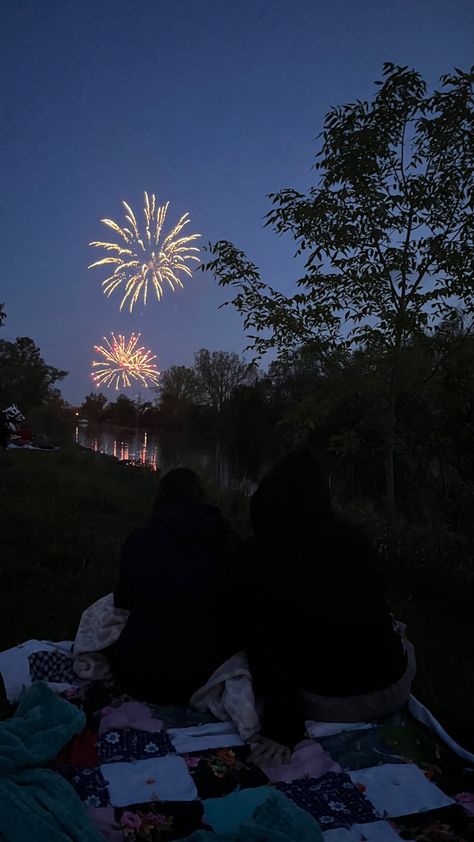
(467, 801)
(103, 818)
(309, 760)
(130, 715)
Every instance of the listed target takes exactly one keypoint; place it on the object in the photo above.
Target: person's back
(174, 581)
(317, 617)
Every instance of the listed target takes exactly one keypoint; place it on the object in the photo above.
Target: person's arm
(277, 685)
(123, 593)
(269, 644)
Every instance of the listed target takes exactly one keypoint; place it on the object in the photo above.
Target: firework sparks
(144, 258)
(122, 361)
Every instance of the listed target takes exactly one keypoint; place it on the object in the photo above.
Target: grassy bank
(64, 516)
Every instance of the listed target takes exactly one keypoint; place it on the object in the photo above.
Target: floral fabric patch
(220, 771)
(129, 744)
(333, 800)
(160, 821)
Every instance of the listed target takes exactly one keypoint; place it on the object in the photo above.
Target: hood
(294, 494)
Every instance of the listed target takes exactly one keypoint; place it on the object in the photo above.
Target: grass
(64, 516)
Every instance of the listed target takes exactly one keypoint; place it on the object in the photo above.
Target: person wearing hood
(319, 636)
(175, 581)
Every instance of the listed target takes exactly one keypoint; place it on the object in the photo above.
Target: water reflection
(165, 450)
(137, 447)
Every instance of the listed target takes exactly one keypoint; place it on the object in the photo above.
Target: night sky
(211, 104)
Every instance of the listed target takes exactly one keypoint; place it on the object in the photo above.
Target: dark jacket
(174, 575)
(316, 616)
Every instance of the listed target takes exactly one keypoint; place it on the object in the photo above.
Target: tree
(123, 412)
(3, 315)
(93, 406)
(177, 393)
(25, 378)
(217, 374)
(387, 232)
(179, 383)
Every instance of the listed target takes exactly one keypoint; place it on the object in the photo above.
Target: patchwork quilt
(155, 774)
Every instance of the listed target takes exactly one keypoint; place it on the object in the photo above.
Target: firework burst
(122, 361)
(144, 258)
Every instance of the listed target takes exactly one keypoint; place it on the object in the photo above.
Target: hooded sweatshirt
(175, 581)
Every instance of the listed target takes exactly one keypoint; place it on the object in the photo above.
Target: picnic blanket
(155, 774)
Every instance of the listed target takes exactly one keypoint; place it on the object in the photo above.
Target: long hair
(294, 492)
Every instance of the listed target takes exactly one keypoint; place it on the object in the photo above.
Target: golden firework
(145, 257)
(123, 362)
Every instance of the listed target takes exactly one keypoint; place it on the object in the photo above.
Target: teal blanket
(253, 815)
(38, 805)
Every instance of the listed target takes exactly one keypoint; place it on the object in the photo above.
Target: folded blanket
(38, 804)
(277, 819)
(229, 695)
(101, 625)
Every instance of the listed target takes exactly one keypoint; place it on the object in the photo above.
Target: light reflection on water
(168, 449)
(138, 448)
(165, 450)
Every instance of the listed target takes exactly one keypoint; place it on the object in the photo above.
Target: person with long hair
(319, 635)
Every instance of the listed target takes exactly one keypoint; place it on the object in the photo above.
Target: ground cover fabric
(148, 773)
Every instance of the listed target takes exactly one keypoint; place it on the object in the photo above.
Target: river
(165, 450)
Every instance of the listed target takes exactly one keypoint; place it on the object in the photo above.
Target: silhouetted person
(316, 619)
(174, 574)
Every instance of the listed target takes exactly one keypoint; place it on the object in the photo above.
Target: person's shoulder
(139, 536)
(220, 523)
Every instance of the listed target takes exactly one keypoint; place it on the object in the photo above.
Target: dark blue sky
(211, 104)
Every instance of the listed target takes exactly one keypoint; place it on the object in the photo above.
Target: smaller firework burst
(122, 362)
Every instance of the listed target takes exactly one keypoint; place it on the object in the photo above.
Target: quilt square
(396, 790)
(81, 752)
(94, 697)
(160, 821)
(89, 784)
(219, 771)
(449, 824)
(332, 800)
(135, 715)
(380, 831)
(157, 779)
(176, 717)
(361, 749)
(203, 737)
(129, 744)
(51, 666)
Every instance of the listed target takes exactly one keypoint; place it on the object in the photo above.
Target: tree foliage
(93, 406)
(386, 231)
(208, 384)
(218, 374)
(123, 412)
(25, 378)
